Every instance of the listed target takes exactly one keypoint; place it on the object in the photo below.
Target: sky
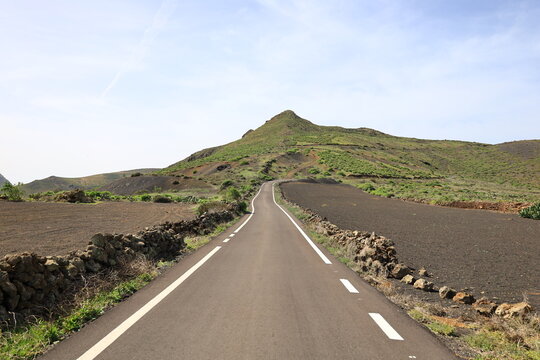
(89, 87)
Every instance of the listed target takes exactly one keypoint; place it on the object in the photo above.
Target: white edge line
(349, 286)
(252, 211)
(310, 242)
(124, 326)
(385, 326)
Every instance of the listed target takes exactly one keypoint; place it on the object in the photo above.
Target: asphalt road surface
(262, 290)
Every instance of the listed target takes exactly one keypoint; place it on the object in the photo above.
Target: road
(261, 290)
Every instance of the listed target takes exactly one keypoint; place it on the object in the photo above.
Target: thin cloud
(139, 52)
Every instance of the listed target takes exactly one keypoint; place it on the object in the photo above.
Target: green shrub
(532, 212)
(243, 206)
(146, 197)
(292, 151)
(233, 194)
(100, 195)
(313, 171)
(162, 199)
(12, 192)
(226, 184)
(210, 206)
(367, 187)
(245, 162)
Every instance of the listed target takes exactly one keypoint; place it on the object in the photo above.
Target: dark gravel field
(492, 254)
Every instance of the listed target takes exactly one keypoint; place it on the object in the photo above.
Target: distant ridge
(55, 183)
(3, 180)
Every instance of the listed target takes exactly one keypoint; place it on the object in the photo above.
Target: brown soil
(506, 207)
(57, 228)
(490, 254)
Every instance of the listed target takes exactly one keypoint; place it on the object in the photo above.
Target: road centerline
(349, 286)
(385, 326)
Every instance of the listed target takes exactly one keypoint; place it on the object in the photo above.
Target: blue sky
(98, 86)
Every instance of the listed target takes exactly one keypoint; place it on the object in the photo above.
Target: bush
(136, 174)
(226, 184)
(243, 206)
(313, 171)
(366, 187)
(210, 206)
(146, 197)
(532, 212)
(162, 199)
(99, 195)
(233, 194)
(176, 182)
(12, 192)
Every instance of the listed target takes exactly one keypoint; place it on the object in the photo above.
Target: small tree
(12, 192)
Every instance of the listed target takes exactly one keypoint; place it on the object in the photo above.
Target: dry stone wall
(30, 284)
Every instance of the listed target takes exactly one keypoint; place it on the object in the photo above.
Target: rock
(446, 293)
(51, 265)
(513, 310)
(423, 272)
(92, 266)
(98, 240)
(484, 307)
(423, 284)
(408, 279)
(463, 298)
(400, 270)
(72, 271)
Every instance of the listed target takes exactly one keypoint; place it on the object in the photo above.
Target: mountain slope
(55, 183)
(3, 180)
(289, 146)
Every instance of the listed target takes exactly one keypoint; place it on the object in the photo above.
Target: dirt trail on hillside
(492, 254)
(57, 228)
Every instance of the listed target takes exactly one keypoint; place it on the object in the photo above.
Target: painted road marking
(385, 326)
(232, 235)
(349, 286)
(129, 322)
(252, 211)
(226, 240)
(317, 250)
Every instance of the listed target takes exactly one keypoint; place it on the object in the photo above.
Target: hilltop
(288, 146)
(55, 183)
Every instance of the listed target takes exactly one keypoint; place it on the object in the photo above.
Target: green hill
(288, 146)
(55, 183)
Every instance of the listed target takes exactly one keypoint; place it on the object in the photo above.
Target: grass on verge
(488, 338)
(29, 341)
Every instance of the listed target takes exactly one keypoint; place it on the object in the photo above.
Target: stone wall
(31, 284)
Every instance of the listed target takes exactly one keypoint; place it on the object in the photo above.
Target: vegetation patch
(532, 212)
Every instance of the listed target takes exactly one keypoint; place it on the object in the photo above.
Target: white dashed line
(232, 235)
(349, 286)
(310, 242)
(385, 326)
(130, 321)
(226, 240)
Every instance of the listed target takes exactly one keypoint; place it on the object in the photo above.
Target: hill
(3, 180)
(55, 183)
(288, 146)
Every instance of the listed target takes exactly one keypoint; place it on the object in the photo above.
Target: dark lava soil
(490, 254)
(58, 228)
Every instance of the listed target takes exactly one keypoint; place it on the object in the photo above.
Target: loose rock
(463, 298)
